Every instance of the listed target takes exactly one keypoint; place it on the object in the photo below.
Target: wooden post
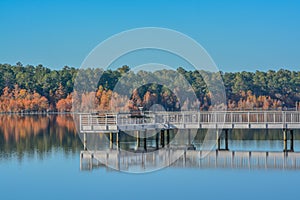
(162, 138)
(218, 140)
(106, 158)
(111, 140)
(284, 140)
(292, 140)
(168, 137)
(138, 139)
(216, 160)
(145, 141)
(157, 141)
(226, 139)
(118, 140)
(266, 160)
(184, 158)
(232, 160)
(84, 141)
(118, 164)
(189, 137)
(91, 162)
(81, 157)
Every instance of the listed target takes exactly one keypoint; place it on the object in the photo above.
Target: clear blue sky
(238, 35)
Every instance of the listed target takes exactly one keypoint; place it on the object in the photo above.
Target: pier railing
(230, 117)
(188, 119)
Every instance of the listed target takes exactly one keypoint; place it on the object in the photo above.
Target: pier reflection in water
(262, 150)
(190, 159)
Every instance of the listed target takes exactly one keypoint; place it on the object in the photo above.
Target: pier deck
(114, 122)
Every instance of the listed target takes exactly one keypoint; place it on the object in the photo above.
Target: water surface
(39, 159)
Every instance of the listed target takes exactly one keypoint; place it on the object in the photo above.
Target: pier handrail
(192, 117)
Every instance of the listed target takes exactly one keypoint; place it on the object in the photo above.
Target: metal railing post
(80, 122)
(248, 117)
(208, 118)
(284, 119)
(215, 117)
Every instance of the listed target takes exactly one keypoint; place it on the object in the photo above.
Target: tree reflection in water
(31, 135)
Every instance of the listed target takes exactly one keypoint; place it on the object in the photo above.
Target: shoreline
(71, 113)
(37, 113)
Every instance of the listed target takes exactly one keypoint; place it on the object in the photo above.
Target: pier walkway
(114, 122)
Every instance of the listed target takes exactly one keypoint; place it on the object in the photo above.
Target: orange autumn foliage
(20, 100)
(65, 105)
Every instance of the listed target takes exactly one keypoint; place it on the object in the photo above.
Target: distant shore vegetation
(40, 89)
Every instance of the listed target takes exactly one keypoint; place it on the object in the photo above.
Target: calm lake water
(40, 159)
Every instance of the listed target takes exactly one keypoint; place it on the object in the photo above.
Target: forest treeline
(37, 88)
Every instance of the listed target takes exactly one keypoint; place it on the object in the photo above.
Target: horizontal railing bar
(192, 117)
